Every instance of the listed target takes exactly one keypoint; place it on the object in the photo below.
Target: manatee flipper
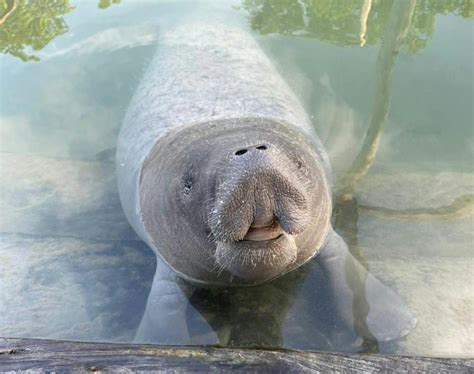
(369, 307)
(168, 310)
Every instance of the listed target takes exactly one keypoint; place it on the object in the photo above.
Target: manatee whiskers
(256, 259)
(230, 256)
(261, 202)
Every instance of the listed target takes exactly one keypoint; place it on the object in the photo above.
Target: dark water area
(389, 90)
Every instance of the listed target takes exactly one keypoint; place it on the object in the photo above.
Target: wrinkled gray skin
(220, 173)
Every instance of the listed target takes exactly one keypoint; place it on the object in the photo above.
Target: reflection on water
(394, 112)
(30, 25)
(348, 23)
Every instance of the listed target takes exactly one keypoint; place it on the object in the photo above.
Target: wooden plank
(63, 356)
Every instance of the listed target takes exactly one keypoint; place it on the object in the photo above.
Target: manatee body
(221, 173)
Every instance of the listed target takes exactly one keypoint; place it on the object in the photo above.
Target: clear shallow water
(72, 269)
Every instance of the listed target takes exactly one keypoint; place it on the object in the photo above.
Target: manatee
(221, 173)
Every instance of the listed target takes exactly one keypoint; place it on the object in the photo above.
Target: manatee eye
(301, 166)
(187, 184)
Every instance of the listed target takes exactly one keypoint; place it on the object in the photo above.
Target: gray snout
(262, 188)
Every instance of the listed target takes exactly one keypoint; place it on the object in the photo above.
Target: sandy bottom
(70, 267)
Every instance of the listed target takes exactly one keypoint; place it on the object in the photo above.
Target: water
(71, 268)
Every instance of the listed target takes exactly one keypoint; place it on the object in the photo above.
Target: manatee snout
(261, 190)
(260, 204)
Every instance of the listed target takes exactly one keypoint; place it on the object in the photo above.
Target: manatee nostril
(240, 152)
(262, 147)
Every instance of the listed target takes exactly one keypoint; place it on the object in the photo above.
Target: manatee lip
(261, 233)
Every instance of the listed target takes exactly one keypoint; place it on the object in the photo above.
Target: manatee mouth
(260, 233)
(256, 261)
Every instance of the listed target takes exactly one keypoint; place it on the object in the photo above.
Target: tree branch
(9, 12)
(396, 30)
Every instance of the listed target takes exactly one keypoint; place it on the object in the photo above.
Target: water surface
(71, 268)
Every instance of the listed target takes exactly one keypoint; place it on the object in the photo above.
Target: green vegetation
(29, 25)
(106, 3)
(349, 23)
